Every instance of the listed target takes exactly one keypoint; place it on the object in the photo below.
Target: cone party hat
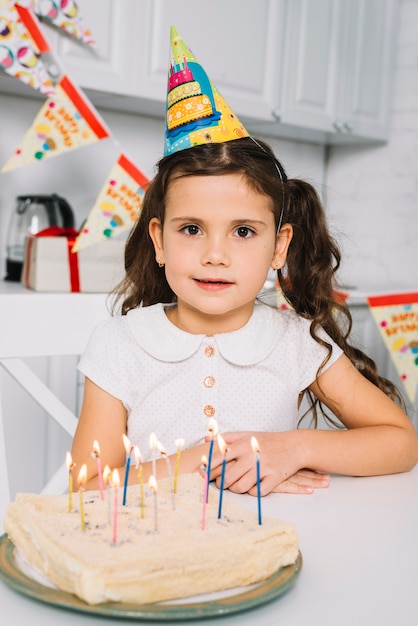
(196, 111)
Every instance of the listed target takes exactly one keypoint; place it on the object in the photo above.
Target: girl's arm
(103, 418)
(380, 439)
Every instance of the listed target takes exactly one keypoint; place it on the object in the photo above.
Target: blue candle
(213, 429)
(256, 449)
(128, 448)
(224, 450)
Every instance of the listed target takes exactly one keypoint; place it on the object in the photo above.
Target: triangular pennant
(117, 206)
(65, 15)
(21, 45)
(65, 122)
(196, 111)
(396, 316)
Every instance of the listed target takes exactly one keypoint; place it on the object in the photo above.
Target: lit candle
(224, 450)
(107, 479)
(204, 468)
(152, 484)
(116, 485)
(179, 444)
(213, 431)
(82, 476)
(153, 446)
(138, 465)
(256, 449)
(128, 449)
(163, 453)
(70, 466)
(96, 455)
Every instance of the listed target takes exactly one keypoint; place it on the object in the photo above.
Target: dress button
(209, 381)
(209, 411)
(209, 351)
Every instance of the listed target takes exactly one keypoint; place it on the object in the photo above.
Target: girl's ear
(283, 240)
(156, 233)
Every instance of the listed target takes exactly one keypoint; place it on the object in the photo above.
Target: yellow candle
(70, 466)
(81, 480)
(153, 487)
(179, 443)
(138, 465)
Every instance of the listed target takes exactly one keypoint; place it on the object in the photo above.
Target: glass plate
(252, 596)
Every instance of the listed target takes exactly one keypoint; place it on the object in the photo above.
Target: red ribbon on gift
(71, 235)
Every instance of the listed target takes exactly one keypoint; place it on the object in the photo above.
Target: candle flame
(82, 476)
(204, 463)
(127, 444)
(222, 445)
(254, 445)
(152, 484)
(213, 426)
(107, 474)
(138, 456)
(69, 461)
(153, 441)
(179, 442)
(161, 449)
(115, 478)
(96, 448)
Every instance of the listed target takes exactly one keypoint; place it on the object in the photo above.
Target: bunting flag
(117, 206)
(64, 14)
(65, 122)
(21, 46)
(396, 317)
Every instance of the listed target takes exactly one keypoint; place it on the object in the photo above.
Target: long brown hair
(308, 280)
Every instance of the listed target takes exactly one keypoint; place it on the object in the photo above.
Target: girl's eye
(244, 232)
(191, 229)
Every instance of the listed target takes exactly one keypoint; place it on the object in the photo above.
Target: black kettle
(32, 214)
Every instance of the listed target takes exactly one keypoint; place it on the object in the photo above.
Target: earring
(160, 261)
(277, 264)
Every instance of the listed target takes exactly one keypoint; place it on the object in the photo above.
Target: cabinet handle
(339, 126)
(348, 127)
(276, 115)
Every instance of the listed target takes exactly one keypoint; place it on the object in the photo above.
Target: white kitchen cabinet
(337, 67)
(314, 70)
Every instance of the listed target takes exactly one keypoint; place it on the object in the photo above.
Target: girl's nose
(215, 252)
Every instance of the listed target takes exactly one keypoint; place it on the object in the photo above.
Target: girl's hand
(281, 468)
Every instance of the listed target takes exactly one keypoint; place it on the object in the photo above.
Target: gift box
(50, 265)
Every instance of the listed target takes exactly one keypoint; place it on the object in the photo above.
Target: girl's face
(218, 242)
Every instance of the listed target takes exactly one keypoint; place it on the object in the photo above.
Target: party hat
(196, 111)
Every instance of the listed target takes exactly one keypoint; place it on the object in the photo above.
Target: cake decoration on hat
(196, 111)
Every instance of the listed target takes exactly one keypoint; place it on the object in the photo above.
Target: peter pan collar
(248, 345)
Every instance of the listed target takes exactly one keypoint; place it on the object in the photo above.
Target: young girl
(194, 342)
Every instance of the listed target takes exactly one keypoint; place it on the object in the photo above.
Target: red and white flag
(117, 206)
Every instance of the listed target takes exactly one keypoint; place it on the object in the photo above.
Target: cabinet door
(365, 95)
(238, 44)
(110, 66)
(311, 64)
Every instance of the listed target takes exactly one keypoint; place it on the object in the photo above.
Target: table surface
(359, 544)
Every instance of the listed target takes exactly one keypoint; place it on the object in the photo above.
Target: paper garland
(396, 317)
(64, 14)
(21, 45)
(117, 206)
(65, 122)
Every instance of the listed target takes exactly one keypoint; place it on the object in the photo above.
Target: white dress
(171, 382)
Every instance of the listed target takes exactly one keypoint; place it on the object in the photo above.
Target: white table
(359, 541)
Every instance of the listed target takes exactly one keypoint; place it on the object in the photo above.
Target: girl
(194, 342)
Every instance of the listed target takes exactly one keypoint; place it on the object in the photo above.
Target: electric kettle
(32, 214)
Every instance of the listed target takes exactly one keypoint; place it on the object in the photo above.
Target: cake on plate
(163, 546)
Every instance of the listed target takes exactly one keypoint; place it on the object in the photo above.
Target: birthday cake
(185, 101)
(155, 548)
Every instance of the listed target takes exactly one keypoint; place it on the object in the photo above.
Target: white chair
(34, 324)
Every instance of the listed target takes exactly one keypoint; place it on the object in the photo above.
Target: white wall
(373, 192)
